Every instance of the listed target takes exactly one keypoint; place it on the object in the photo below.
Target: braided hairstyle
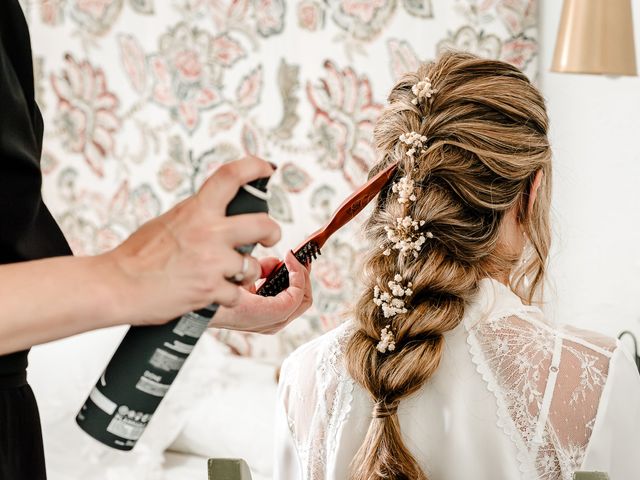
(481, 134)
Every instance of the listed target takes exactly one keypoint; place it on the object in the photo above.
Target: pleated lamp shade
(595, 36)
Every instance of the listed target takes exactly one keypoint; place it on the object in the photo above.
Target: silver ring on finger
(240, 276)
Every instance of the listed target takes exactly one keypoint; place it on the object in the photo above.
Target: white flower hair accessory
(423, 91)
(406, 237)
(404, 188)
(387, 340)
(415, 141)
(392, 302)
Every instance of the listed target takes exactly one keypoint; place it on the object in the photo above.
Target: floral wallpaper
(143, 99)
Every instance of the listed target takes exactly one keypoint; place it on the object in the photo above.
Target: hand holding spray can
(148, 359)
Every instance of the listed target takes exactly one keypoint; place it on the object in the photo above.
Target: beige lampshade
(595, 36)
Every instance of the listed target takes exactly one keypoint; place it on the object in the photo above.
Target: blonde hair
(486, 128)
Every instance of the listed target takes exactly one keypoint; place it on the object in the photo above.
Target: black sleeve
(27, 229)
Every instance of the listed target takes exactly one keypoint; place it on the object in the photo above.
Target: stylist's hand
(254, 313)
(182, 260)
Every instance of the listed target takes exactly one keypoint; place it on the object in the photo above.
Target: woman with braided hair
(448, 368)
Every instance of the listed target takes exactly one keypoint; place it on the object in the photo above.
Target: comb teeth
(308, 253)
(279, 279)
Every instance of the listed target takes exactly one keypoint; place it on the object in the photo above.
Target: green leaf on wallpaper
(279, 204)
(145, 204)
(142, 6)
(467, 39)
(176, 150)
(294, 178)
(67, 183)
(322, 200)
(269, 17)
(419, 8)
(402, 57)
(288, 85)
(249, 140)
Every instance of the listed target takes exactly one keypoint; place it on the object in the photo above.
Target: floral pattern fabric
(143, 99)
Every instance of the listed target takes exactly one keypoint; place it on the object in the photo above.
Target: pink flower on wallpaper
(183, 74)
(363, 10)
(344, 117)
(310, 15)
(226, 51)
(86, 112)
(269, 16)
(51, 12)
(95, 16)
(518, 15)
(362, 19)
(95, 8)
(171, 176)
(519, 51)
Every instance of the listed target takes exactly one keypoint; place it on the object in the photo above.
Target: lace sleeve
(615, 443)
(297, 396)
(314, 397)
(547, 383)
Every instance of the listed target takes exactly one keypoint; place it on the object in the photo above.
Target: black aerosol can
(148, 359)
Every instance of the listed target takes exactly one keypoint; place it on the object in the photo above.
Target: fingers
(246, 265)
(221, 187)
(227, 294)
(252, 228)
(268, 264)
(252, 272)
(268, 315)
(293, 301)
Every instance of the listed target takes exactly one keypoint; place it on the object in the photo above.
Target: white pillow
(62, 373)
(235, 419)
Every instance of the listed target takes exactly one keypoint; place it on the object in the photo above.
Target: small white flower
(422, 90)
(404, 188)
(415, 141)
(405, 236)
(392, 303)
(387, 340)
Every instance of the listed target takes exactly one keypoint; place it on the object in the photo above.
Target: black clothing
(27, 232)
(21, 452)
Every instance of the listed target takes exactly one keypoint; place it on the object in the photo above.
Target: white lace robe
(513, 398)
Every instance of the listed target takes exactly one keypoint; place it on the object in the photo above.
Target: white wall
(595, 132)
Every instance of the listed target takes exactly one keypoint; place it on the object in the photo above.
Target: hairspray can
(148, 359)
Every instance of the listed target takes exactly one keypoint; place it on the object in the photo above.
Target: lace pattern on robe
(547, 383)
(318, 402)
